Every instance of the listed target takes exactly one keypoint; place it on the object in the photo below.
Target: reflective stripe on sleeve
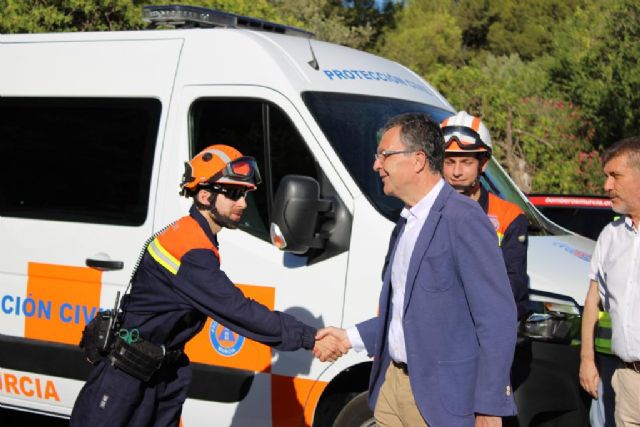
(163, 257)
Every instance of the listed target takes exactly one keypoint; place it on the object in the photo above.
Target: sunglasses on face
(232, 193)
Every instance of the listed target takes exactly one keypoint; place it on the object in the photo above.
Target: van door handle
(104, 264)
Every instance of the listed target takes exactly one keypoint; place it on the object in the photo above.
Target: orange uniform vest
(501, 213)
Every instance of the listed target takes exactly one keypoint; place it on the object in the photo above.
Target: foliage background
(556, 81)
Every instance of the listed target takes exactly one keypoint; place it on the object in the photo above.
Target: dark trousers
(112, 398)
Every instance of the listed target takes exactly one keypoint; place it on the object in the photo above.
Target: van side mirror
(294, 217)
(304, 222)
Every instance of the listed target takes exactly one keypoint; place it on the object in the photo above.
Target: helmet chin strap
(221, 220)
(468, 190)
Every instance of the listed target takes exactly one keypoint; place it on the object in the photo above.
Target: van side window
(259, 129)
(77, 159)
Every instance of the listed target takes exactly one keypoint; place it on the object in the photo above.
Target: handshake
(331, 343)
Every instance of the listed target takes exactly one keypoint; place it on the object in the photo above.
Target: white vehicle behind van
(94, 131)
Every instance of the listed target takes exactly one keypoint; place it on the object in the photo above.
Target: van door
(263, 124)
(79, 136)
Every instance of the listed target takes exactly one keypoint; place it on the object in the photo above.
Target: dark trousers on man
(113, 398)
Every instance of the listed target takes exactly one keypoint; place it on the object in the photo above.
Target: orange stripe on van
(65, 298)
(252, 356)
(294, 400)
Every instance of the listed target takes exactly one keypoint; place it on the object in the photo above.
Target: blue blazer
(459, 317)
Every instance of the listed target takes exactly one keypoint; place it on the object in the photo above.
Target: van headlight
(553, 318)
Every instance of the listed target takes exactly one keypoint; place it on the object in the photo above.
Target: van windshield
(352, 123)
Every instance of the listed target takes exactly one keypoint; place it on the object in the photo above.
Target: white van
(94, 131)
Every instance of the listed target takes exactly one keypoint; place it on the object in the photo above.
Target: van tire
(356, 413)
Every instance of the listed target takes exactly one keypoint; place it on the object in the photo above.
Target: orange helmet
(219, 164)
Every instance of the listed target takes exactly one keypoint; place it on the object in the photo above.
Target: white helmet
(464, 133)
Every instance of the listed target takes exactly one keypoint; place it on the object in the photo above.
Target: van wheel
(356, 413)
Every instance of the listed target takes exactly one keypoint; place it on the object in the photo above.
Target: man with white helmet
(467, 152)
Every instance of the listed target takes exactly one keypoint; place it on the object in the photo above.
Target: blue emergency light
(180, 16)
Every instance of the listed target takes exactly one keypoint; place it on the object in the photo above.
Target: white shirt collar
(423, 207)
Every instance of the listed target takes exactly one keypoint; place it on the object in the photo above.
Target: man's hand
(589, 377)
(331, 343)
(488, 421)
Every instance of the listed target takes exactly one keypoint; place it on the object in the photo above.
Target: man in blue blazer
(445, 336)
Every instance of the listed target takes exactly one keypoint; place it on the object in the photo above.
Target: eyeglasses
(232, 193)
(467, 139)
(382, 156)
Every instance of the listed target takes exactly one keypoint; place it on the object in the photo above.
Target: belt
(402, 366)
(634, 366)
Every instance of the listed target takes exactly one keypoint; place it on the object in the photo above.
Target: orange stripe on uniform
(185, 235)
(505, 212)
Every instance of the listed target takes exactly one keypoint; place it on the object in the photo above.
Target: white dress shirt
(615, 266)
(415, 216)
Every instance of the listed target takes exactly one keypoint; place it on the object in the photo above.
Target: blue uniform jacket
(514, 247)
(179, 284)
(459, 318)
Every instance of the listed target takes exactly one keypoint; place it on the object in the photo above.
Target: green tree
(326, 20)
(360, 13)
(503, 27)
(543, 142)
(27, 16)
(330, 22)
(21, 16)
(597, 67)
(426, 35)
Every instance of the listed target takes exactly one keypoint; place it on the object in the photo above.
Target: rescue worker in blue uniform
(467, 152)
(178, 284)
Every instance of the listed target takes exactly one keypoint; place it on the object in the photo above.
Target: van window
(77, 159)
(352, 124)
(259, 129)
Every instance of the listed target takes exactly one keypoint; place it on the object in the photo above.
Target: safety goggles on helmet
(243, 171)
(232, 193)
(465, 139)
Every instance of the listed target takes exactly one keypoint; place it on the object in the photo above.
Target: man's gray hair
(418, 132)
(629, 146)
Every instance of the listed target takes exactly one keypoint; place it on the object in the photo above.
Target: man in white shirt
(444, 338)
(615, 283)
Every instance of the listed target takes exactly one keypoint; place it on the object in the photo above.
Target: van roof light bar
(181, 16)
